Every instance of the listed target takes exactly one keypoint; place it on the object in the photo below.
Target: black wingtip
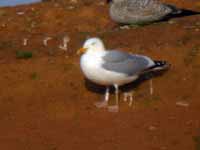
(108, 1)
(178, 13)
(182, 12)
(160, 65)
(174, 9)
(186, 12)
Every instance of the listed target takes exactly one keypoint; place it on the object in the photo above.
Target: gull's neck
(96, 50)
(96, 53)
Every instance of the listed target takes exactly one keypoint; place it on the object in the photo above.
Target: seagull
(144, 11)
(113, 68)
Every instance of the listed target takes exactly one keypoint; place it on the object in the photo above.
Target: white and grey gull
(144, 11)
(113, 68)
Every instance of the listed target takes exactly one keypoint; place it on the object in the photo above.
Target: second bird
(140, 11)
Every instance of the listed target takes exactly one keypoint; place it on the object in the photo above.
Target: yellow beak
(81, 51)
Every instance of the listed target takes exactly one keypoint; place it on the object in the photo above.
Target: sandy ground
(46, 105)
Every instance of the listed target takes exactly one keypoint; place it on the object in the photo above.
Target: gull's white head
(92, 45)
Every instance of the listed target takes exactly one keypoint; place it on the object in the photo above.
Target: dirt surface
(44, 102)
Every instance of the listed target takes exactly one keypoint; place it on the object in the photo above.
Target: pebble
(3, 25)
(172, 118)
(189, 123)
(189, 27)
(152, 128)
(66, 39)
(74, 1)
(171, 22)
(182, 104)
(163, 148)
(124, 27)
(197, 23)
(70, 7)
(25, 42)
(20, 13)
(101, 3)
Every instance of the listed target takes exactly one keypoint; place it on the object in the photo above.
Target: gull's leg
(115, 108)
(151, 87)
(128, 95)
(104, 103)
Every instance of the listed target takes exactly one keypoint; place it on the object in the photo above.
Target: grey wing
(126, 63)
(116, 56)
(138, 4)
(148, 7)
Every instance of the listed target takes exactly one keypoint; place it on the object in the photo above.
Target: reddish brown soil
(45, 105)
